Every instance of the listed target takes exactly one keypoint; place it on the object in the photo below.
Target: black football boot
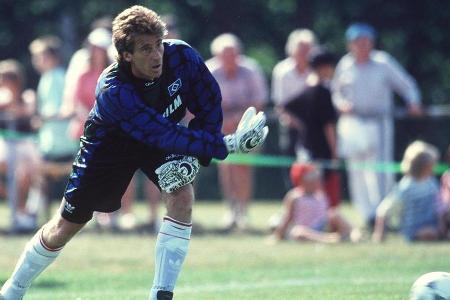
(164, 295)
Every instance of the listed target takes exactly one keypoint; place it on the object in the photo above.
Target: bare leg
(242, 185)
(179, 203)
(58, 232)
(128, 197)
(226, 184)
(338, 223)
(303, 233)
(154, 197)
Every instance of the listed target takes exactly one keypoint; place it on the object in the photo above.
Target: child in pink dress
(307, 216)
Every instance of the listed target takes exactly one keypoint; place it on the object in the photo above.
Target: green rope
(277, 161)
(286, 161)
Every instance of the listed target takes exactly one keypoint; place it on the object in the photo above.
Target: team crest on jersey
(174, 87)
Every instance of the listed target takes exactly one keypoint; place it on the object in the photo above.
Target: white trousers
(367, 186)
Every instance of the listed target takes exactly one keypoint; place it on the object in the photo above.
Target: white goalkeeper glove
(175, 174)
(250, 133)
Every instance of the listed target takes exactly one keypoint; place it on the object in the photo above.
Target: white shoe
(12, 292)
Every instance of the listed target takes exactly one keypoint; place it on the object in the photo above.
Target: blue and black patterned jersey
(149, 111)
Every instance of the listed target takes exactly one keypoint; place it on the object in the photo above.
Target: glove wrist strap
(230, 142)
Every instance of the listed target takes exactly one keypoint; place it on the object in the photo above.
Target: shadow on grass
(198, 230)
(42, 284)
(49, 284)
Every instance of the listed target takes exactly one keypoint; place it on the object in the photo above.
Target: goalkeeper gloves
(175, 174)
(250, 133)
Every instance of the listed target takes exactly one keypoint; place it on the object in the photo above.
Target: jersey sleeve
(205, 99)
(121, 105)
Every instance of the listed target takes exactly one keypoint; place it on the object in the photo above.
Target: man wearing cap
(363, 85)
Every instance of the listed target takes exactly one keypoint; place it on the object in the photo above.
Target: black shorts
(101, 174)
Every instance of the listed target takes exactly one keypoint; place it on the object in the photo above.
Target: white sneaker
(11, 292)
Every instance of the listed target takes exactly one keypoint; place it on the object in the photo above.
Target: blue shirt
(416, 203)
(150, 111)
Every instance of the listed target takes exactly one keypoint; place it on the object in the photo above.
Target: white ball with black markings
(431, 286)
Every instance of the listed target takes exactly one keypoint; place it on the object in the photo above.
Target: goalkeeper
(133, 125)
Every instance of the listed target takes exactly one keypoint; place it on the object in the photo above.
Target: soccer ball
(431, 286)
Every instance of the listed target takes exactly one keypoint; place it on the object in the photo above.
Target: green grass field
(239, 266)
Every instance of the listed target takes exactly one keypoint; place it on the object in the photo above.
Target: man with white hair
(364, 83)
(289, 80)
(242, 84)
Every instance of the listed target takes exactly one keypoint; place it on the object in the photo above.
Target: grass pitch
(108, 266)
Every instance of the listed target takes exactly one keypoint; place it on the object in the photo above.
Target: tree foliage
(415, 32)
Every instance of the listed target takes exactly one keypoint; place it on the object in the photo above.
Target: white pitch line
(283, 283)
(231, 286)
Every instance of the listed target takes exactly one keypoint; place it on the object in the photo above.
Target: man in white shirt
(363, 85)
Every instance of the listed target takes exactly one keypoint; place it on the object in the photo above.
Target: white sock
(171, 248)
(34, 259)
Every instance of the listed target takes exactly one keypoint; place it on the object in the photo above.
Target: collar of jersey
(126, 75)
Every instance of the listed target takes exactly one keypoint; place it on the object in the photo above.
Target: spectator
(16, 110)
(289, 79)
(55, 146)
(79, 62)
(314, 110)
(84, 97)
(242, 85)
(444, 208)
(306, 213)
(414, 199)
(363, 86)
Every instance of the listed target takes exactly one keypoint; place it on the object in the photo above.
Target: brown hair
(134, 21)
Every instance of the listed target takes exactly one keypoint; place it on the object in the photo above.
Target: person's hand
(175, 174)
(415, 110)
(290, 121)
(346, 108)
(250, 133)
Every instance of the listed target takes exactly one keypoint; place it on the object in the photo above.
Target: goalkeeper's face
(147, 57)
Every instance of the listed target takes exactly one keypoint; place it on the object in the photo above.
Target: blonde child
(415, 197)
